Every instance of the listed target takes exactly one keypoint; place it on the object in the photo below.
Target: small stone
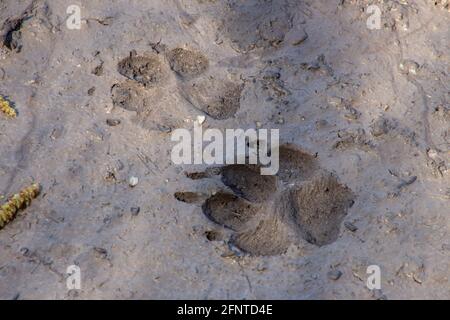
(272, 75)
(120, 165)
(409, 67)
(24, 251)
(350, 226)
(432, 153)
(334, 275)
(110, 176)
(258, 124)
(91, 91)
(201, 119)
(320, 124)
(414, 268)
(301, 36)
(135, 211)
(101, 252)
(380, 127)
(335, 101)
(133, 181)
(418, 277)
(235, 250)
(164, 128)
(112, 122)
(352, 113)
(98, 70)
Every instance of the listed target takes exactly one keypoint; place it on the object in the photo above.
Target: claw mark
(425, 114)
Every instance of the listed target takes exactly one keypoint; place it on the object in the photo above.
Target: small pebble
(91, 91)
(112, 122)
(164, 128)
(101, 252)
(201, 119)
(320, 124)
(350, 226)
(380, 127)
(432, 153)
(335, 101)
(409, 67)
(301, 37)
(133, 181)
(24, 251)
(135, 211)
(120, 165)
(334, 275)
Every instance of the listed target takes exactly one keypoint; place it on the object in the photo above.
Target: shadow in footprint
(256, 24)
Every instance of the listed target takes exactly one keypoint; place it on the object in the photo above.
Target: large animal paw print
(269, 213)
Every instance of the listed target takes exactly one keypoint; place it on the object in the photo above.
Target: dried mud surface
(364, 119)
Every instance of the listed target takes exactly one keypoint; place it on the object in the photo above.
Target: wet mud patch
(256, 24)
(147, 70)
(187, 63)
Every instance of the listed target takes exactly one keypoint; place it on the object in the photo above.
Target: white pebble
(133, 181)
(201, 119)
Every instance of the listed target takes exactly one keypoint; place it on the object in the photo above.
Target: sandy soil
(364, 119)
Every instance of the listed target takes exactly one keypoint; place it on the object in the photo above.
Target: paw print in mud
(152, 81)
(269, 213)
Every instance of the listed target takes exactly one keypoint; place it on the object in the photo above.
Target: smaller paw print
(155, 81)
(267, 214)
